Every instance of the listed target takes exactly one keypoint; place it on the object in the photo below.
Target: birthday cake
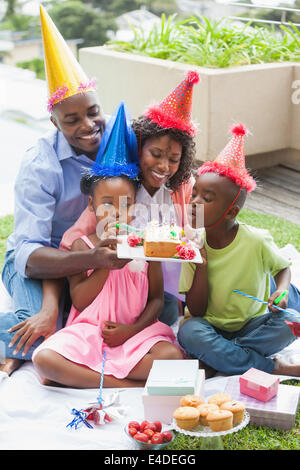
(161, 240)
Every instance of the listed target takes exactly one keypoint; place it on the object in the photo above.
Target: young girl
(113, 310)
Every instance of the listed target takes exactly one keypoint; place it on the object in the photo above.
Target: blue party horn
(266, 303)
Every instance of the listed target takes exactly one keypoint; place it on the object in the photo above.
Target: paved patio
(277, 192)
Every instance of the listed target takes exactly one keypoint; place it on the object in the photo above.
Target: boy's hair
(89, 181)
(146, 129)
(237, 191)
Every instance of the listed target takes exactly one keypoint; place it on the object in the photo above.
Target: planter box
(258, 95)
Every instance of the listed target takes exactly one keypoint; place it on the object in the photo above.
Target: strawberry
(140, 436)
(144, 425)
(134, 424)
(148, 432)
(132, 431)
(158, 426)
(167, 436)
(151, 426)
(157, 438)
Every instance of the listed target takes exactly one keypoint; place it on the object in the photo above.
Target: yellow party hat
(64, 74)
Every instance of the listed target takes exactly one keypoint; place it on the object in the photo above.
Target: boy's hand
(282, 304)
(204, 256)
(115, 334)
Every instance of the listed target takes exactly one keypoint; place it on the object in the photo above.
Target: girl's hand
(282, 304)
(115, 334)
(28, 331)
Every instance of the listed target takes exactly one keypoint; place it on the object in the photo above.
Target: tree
(75, 20)
(118, 7)
(11, 7)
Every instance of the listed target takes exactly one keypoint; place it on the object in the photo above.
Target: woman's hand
(115, 334)
(28, 331)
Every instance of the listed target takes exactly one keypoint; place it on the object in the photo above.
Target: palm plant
(208, 43)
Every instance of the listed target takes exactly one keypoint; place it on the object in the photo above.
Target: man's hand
(115, 334)
(28, 331)
(105, 255)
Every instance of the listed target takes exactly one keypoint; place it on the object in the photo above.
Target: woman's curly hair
(146, 129)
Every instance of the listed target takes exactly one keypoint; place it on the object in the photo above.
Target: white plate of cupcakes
(217, 416)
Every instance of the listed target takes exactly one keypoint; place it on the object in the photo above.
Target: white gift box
(176, 377)
(278, 413)
(162, 407)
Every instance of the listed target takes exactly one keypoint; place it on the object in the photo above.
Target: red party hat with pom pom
(231, 161)
(175, 110)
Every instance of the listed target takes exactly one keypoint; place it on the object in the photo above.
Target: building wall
(28, 50)
(257, 95)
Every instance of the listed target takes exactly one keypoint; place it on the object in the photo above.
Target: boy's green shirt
(244, 265)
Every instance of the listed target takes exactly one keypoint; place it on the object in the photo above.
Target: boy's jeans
(235, 353)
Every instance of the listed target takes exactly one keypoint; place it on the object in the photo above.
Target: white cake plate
(212, 440)
(124, 251)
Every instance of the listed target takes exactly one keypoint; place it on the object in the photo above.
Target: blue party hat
(118, 151)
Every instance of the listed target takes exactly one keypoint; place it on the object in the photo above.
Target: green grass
(6, 228)
(282, 231)
(215, 44)
(251, 437)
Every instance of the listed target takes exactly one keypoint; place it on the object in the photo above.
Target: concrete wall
(258, 95)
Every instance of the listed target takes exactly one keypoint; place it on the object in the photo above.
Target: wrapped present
(295, 327)
(162, 407)
(278, 413)
(177, 377)
(259, 384)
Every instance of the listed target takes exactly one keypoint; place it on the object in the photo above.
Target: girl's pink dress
(122, 299)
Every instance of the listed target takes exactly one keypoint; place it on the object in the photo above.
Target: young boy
(230, 332)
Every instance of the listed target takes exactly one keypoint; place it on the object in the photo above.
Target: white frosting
(156, 232)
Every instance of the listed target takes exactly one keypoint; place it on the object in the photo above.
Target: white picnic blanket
(34, 417)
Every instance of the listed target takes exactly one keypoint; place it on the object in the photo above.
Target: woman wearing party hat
(226, 331)
(113, 311)
(48, 201)
(166, 148)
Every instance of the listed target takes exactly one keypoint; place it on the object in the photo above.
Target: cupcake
(219, 398)
(237, 408)
(191, 400)
(220, 420)
(187, 417)
(204, 409)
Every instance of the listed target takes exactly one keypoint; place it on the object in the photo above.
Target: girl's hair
(146, 129)
(89, 181)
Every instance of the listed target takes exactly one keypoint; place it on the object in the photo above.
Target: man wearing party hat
(227, 331)
(117, 316)
(48, 200)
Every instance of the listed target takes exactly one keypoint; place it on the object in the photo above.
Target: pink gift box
(258, 384)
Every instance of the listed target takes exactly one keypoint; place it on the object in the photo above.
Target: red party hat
(175, 110)
(231, 161)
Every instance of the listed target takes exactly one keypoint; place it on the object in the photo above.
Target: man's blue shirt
(48, 199)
